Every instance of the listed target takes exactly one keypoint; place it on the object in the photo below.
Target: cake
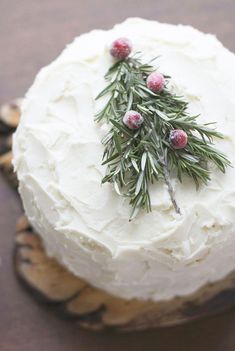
(57, 150)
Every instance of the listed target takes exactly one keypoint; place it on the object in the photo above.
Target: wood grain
(32, 33)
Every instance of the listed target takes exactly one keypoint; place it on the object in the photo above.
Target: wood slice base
(74, 298)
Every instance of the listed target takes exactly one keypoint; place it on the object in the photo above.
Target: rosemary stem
(169, 186)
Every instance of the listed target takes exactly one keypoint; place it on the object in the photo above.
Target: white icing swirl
(57, 156)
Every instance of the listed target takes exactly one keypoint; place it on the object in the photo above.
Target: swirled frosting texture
(57, 156)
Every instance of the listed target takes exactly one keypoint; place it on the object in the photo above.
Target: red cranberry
(121, 48)
(178, 138)
(133, 119)
(155, 82)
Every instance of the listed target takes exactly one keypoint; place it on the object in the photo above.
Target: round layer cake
(85, 225)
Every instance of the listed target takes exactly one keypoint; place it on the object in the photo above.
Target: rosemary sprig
(135, 159)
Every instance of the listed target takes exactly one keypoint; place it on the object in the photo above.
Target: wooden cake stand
(73, 297)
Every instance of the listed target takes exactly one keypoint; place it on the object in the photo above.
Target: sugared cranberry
(156, 82)
(133, 119)
(178, 138)
(121, 48)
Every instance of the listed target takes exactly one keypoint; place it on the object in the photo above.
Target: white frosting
(57, 156)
